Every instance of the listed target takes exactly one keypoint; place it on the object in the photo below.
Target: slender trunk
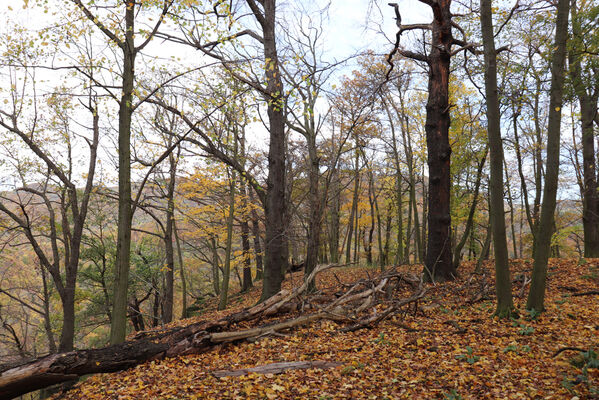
(388, 225)
(484, 252)
(169, 292)
(215, 266)
(588, 110)
(181, 273)
(470, 220)
(354, 207)
(47, 323)
(118, 328)
(379, 235)
(536, 296)
(334, 218)
(510, 200)
(314, 223)
(256, 236)
(224, 293)
(245, 241)
(503, 281)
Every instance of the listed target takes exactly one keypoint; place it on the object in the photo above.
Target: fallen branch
(357, 305)
(277, 368)
(525, 283)
(589, 293)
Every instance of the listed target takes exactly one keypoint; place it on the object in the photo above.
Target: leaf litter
(447, 347)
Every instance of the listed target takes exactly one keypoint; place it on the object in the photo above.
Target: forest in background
(160, 155)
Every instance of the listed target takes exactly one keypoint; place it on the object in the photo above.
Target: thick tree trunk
(503, 281)
(439, 265)
(536, 296)
(276, 202)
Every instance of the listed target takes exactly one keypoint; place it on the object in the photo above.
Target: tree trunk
(181, 273)
(276, 202)
(354, 207)
(169, 291)
(334, 218)
(314, 223)
(245, 240)
(470, 221)
(536, 296)
(224, 292)
(439, 265)
(256, 236)
(503, 281)
(215, 266)
(118, 327)
(588, 110)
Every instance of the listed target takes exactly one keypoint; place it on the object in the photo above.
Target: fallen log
(355, 306)
(277, 368)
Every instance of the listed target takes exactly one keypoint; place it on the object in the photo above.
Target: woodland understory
(446, 345)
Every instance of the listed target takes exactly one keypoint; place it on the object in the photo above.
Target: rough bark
(439, 265)
(276, 202)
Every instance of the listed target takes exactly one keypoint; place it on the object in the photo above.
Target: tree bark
(276, 201)
(536, 296)
(169, 290)
(118, 327)
(503, 281)
(334, 204)
(588, 110)
(439, 265)
(245, 240)
(224, 292)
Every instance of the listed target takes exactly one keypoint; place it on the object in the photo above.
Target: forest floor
(449, 347)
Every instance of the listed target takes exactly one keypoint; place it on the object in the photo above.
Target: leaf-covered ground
(449, 347)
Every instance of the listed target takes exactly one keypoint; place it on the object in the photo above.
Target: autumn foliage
(448, 346)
